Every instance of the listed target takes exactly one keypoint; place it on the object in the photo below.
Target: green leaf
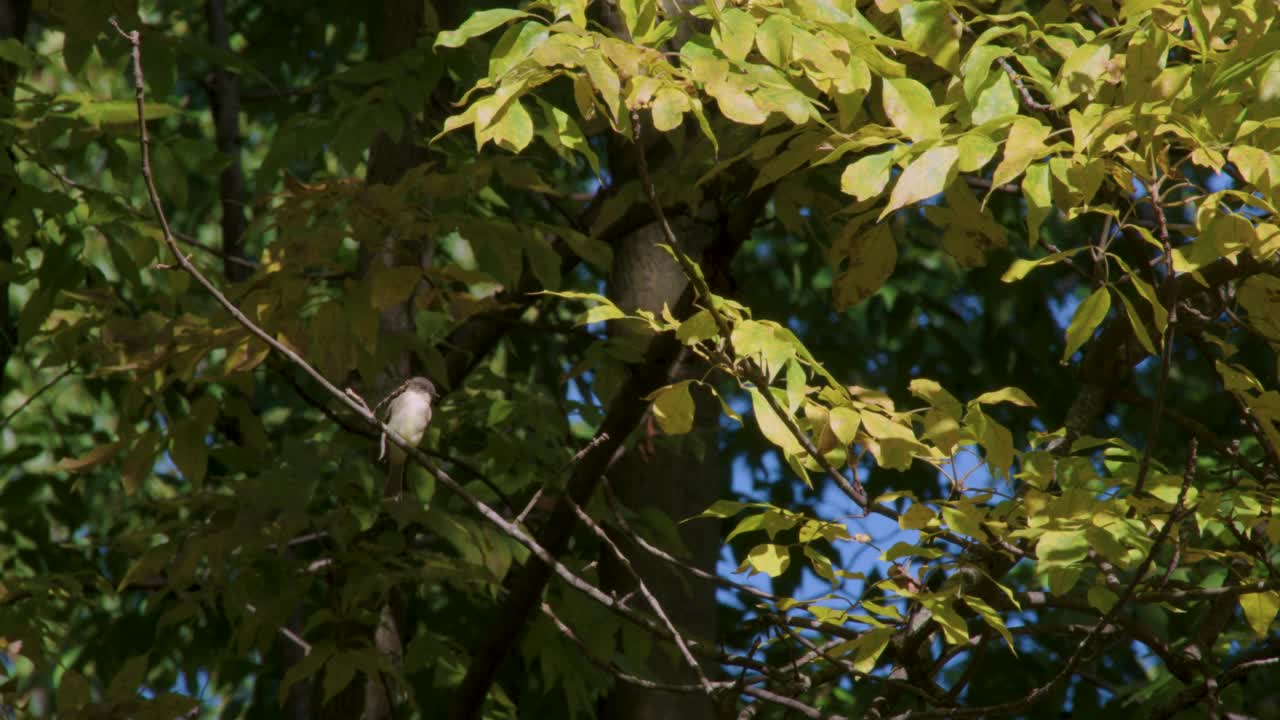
(902, 549)
(928, 30)
(866, 649)
(1019, 268)
(512, 130)
(516, 44)
(1062, 579)
(702, 326)
(764, 342)
(1260, 610)
(868, 259)
(597, 253)
(773, 37)
(911, 109)
(1010, 395)
(392, 286)
(478, 24)
(1102, 598)
(917, 517)
(13, 51)
(772, 426)
(601, 313)
(673, 408)
(844, 422)
(73, 692)
(1083, 70)
(736, 104)
(563, 132)
(723, 509)
(1088, 317)
(1135, 321)
(976, 150)
(867, 176)
(964, 519)
(338, 673)
(668, 108)
(188, 449)
(129, 679)
(1024, 146)
(1059, 548)
(925, 177)
(734, 34)
(954, 628)
(992, 618)
(796, 385)
(770, 559)
(1037, 191)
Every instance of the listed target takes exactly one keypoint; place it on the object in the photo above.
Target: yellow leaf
(669, 107)
(1087, 318)
(736, 104)
(1011, 395)
(734, 34)
(770, 559)
(867, 176)
(1260, 610)
(925, 177)
(911, 109)
(1024, 146)
(772, 426)
(673, 408)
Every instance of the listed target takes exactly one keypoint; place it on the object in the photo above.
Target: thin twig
(32, 398)
(658, 552)
(612, 668)
(656, 606)
(1166, 342)
(292, 636)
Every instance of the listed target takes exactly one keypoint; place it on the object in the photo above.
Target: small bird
(408, 414)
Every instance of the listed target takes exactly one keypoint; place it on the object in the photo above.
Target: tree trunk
(674, 481)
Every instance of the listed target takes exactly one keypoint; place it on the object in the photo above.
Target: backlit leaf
(478, 24)
(925, 177)
(911, 109)
(770, 559)
(1088, 317)
(1260, 610)
(673, 408)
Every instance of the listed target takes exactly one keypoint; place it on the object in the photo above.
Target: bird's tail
(395, 478)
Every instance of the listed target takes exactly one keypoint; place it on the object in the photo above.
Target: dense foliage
(948, 328)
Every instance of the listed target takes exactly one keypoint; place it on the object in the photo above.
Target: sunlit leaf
(1089, 315)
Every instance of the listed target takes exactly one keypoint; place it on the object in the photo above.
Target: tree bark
(13, 24)
(224, 104)
(671, 480)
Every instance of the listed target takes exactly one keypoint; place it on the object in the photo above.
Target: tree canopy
(795, 358)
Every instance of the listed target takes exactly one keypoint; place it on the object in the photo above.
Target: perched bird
(408, 414)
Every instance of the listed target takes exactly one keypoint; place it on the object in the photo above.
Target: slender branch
(1166, 342)
(288, 634)
(790, 703)
(658, 552)
(35, 395)
(656, 606)
(612, 668)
